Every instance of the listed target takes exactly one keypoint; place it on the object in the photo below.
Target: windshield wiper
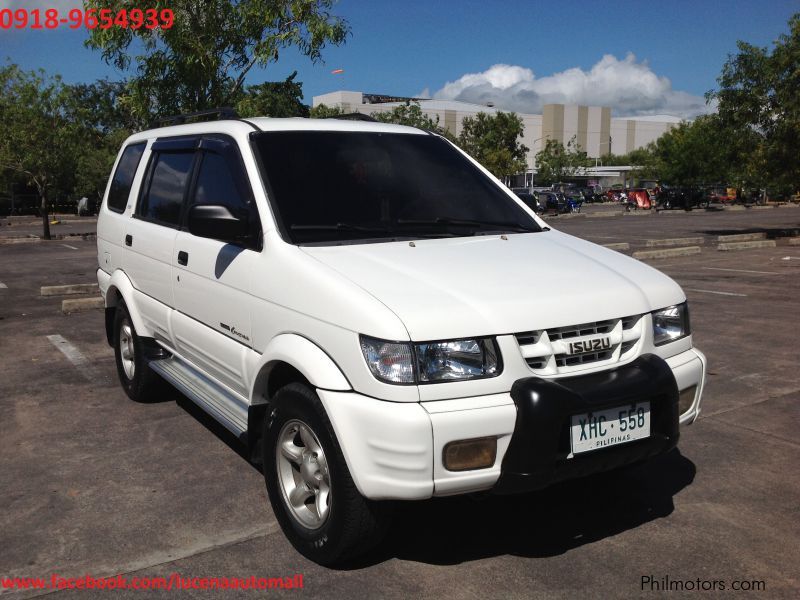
(366, 229)
(499, 225)
(340, 227)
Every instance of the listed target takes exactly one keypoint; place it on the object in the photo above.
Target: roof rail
(224, 112)
(353, 117)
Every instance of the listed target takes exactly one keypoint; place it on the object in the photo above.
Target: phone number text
(105, 18)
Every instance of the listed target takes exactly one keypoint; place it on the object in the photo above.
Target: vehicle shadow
(447, 531)
(207, 421)
(550, 522)
(771, 232)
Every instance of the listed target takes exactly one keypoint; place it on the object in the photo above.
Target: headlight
(456, 360)
(670, 324)
(431, 362)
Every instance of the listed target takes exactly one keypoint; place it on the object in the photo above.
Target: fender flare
(305, 356)
(120, 282)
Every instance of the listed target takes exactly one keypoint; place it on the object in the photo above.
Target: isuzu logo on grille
(585, 346)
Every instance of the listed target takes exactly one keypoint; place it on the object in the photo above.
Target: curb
(18, 240)
(697, 241)
(638, 213)
(81, 304)
(619, 246)
(65, 290)
(742, 237)
(746, 245)
(598, 215)
(667, 252)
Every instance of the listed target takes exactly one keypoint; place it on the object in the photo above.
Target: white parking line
(3, 285)
(720, 293)
(73, 355)
(70, 247)
(741, 271)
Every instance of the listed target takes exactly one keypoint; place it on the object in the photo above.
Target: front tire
(310, 488)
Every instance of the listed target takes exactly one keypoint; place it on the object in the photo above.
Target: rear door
(150, 234)
(212, 325)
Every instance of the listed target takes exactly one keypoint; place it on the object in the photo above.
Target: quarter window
(123, 177)
(216, 184)
(164, 197)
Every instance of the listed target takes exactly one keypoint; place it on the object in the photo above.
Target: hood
(462, 287)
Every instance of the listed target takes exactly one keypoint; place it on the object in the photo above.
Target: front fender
(304, 355)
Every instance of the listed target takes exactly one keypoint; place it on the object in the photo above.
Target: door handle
(129, 240)
(183, 258)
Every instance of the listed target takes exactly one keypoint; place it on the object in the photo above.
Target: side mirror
(216, 222)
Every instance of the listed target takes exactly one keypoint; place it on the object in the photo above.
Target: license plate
(603, 428)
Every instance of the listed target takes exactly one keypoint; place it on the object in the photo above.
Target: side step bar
(225, 407)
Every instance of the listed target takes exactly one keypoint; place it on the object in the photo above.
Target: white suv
(377, 318)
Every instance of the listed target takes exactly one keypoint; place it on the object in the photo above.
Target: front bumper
(394, 449)
(540, 452)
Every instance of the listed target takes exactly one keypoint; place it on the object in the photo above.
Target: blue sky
(659, 57)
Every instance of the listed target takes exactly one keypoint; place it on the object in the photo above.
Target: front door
(211, 283)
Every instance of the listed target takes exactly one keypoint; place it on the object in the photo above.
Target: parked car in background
(559, 203)
(721, 195)
(588, 194)
(685, 198)
(530, 199)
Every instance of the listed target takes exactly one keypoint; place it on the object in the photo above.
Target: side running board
(227, 408)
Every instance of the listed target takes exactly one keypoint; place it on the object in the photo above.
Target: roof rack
(224, 112)
(353, 117)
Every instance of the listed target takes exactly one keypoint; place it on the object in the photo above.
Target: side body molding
(305, 356)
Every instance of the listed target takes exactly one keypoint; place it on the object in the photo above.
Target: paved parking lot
(91, 482)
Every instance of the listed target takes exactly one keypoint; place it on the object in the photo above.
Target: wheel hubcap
(127, 350)
(303, 474)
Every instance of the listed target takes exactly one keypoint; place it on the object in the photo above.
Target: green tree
(759, 100)
(101, 120)
(410, 113)
(203, 59)
(274, 99)
(323, 111)
(554, 162)
(38, 140)
(703, 151)
(494, 141)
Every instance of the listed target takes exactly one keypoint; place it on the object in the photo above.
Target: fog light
(686, 399)
(465, 455)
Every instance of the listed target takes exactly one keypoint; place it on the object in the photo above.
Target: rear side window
(163, 197)
(123, 177)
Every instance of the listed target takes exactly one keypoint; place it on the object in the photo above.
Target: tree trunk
(45, 219)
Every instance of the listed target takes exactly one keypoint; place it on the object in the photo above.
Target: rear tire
(135, 376)
(310, 488)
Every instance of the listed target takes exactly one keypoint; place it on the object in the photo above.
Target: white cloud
(629, 87)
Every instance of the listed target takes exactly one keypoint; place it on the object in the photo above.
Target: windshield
(344, 186)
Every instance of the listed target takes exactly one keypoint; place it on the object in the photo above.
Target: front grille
(563, 333)
(548, 352)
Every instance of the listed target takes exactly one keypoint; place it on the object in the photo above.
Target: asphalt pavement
(93, 483)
